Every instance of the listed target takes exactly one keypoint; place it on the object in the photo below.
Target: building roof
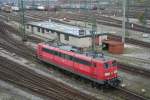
(64, 28)
(112, 42)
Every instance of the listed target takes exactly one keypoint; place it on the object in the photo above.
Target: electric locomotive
(90, 65)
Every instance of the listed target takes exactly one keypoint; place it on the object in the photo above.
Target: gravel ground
(134, 55)
(133, 82)
(136, 83)
(137, 52)
(57, 75)
(10, 92)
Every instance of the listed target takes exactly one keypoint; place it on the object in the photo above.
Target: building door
(58, 36)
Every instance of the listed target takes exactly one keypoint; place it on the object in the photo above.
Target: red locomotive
(92, 66)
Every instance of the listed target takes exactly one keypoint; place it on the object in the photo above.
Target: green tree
(141, 18)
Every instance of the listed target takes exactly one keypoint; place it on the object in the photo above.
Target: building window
(42, 30)
(47, 30)
(27, 26)
(38, 29)
(66, 37)
(106, 65)
(81, 32)
(52, 32)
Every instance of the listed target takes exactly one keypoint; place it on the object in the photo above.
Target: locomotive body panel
(96, 70)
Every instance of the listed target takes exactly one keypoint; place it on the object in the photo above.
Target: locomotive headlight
(115, 72)
(107, 74)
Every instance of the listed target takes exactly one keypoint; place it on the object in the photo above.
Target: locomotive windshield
(106, 65)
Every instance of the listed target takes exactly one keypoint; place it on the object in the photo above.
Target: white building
(73, 35)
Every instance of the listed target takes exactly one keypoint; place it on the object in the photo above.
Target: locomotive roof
(64, 28)
(89, 55)
(97, 55)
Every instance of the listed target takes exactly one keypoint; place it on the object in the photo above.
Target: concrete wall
(46, 34)
(101, 38)
(79, 42)
(28, 29)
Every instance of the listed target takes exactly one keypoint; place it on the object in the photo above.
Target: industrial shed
(115, 47)
(72, 35)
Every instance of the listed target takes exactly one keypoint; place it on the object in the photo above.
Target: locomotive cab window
(48, 51)
(106, 65)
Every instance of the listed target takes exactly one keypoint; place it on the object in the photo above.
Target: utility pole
(124, 21)
(86, 6)
(127, 15)
(99, 6)
(33, 4)
(94, 31)
(22, 20)
(79, 5)
(91, 5)
(48, 6)
(145, 15)
(85, 9)
(94, 28)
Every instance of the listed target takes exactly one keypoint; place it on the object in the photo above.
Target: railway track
(6, 41)
(41, 15)
(133, 11)
(130, 40)
(104, 20)
(20, 49)
(86, 17)
(139, 71)
(138, 42)
(129, 94)
(20, 75)
(30, 55)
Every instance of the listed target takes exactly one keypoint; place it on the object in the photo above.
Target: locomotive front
(111, 73)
